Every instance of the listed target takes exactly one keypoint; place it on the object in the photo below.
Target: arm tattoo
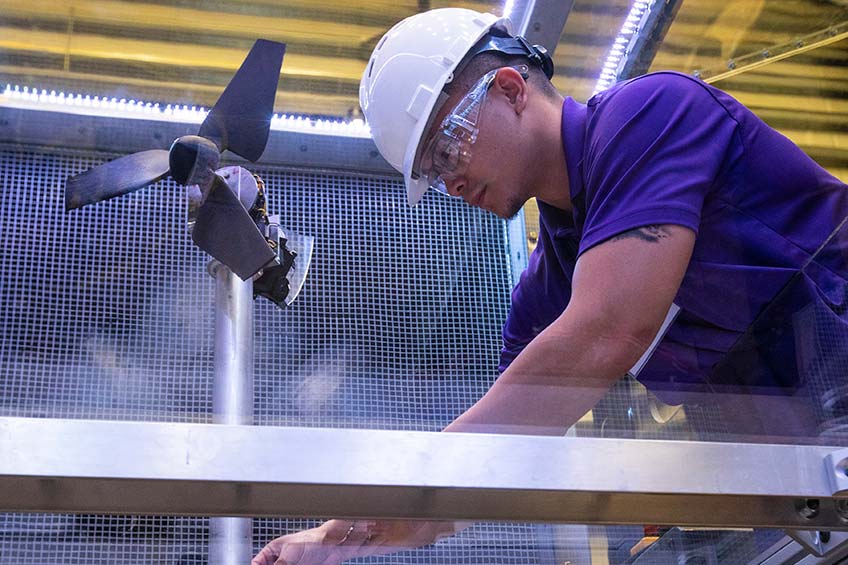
(650, 234)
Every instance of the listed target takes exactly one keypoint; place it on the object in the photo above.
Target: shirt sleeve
(654, 148)
(526, 316)
(542, 292)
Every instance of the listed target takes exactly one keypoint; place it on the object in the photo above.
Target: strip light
(509, 6)
(15, 95)
(621, 46)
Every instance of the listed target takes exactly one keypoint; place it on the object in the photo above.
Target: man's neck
(552, 174)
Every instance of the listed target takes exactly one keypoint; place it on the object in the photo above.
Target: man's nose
(455, 185)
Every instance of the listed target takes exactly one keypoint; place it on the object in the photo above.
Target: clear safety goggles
(448, 151)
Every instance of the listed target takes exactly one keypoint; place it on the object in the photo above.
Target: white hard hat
(404, 79)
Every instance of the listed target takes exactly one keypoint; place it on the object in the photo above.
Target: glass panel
(107, 313)
(30, 539)
(706, 36)
(790, 63)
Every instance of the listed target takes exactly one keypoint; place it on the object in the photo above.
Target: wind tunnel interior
(108, 312)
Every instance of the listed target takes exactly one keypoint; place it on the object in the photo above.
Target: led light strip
(15, 95)
(621, 46)
(509, 5)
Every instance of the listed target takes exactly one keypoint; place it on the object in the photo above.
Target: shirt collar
(574, 117)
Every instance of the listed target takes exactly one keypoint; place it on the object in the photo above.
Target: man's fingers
(268, 556)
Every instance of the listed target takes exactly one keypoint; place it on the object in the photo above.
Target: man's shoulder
(650, 84)
(650, 102)
(660, 93)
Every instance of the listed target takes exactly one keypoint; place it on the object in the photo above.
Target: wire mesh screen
(107, 313)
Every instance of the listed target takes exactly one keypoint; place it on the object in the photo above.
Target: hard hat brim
(415, 188)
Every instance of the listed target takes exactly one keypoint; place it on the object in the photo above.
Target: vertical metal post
(231, 539)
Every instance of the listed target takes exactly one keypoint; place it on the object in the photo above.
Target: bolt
(731, 64)
(807, 508)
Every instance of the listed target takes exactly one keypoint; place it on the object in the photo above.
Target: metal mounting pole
(231, 539)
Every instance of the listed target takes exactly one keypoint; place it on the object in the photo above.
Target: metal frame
(49, 465)
(647, 41)
(542, 21)
(789, 551)
(40, 127)
(753, 61)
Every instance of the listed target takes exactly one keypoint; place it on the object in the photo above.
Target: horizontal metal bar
(29, 127)
(49, 465)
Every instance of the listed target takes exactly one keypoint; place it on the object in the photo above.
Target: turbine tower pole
(231, 539)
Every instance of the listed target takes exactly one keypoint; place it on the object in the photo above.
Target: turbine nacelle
(193, 160)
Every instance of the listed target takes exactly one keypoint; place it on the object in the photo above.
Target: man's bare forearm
(558, 377)
(381, 537)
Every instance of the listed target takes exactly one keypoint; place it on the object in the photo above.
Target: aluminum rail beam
(50, 465)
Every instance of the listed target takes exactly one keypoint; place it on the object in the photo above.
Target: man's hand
(304, 547)
(336, 541)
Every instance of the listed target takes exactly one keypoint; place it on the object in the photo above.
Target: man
(661, 191)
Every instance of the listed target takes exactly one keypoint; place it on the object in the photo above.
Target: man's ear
(510, 83)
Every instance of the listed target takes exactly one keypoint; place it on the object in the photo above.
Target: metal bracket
(827, 544)
(821, 544)
(836, 469)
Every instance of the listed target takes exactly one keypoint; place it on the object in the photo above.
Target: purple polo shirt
(770, 262)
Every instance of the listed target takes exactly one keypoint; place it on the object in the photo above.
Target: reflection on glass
(708, 35)
(137, 540)
(400, 324)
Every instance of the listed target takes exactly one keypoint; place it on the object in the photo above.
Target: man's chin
(510, 211)
(513, 208)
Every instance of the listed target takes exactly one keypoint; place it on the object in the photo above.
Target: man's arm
(622, 290)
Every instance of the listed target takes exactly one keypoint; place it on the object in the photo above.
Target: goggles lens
(448, 151)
